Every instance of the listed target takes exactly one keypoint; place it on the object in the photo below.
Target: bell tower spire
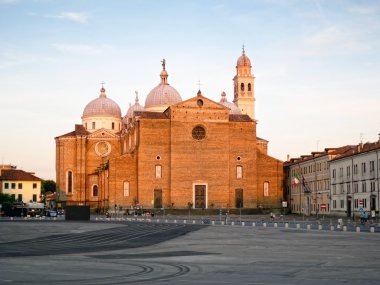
(244, 95)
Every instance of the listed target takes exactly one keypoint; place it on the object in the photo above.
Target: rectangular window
(34, 197)
(70, 182)
(93, 125)
(334, 204)
(364, 187)
(19, 197)
(6, 185)
(19, 185)
(364, 203)
(363, 167)
(341, 204)
(334, 173)
(113, 126)
(356, 187)
(355, 169)
(126, 188)
(341, 189)
(348, 171)
(13, 185)
(34, 185)
(348, 188)
(266, 189)
(356, 203)
(372, 166)
(239, 172)
(158, 171)
(341, 172)
(334, 189)
(373, 186)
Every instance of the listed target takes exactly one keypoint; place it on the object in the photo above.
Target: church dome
(243, 60)
(102, 107)
(163, 95)
(234, 110)
(135, 107)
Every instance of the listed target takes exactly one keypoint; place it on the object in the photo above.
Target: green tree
(6, 201)
(48, 186)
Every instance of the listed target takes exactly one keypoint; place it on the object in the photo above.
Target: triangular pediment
(102, 134)
(199, 102)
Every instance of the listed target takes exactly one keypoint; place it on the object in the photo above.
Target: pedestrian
(365, 217)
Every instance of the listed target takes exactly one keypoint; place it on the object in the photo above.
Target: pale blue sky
(316, 65)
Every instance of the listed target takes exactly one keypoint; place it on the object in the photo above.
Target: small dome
(234, 110)
(243, 60)
(135, 107)
(102, 107)
(163, 94)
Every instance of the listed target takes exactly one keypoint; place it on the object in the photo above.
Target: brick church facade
(170, 152)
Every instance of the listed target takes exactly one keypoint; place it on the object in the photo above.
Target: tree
(6, 201)
(48, 186)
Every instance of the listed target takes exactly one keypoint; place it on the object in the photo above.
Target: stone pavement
(203, 255)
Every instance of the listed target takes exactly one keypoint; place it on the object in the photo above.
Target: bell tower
(244, 95)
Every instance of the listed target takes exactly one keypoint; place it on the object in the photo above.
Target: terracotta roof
(358, 149)
(79, 131)
(240, 118)
(150, 115)
(17, 174)
(260, 139)
(336, 151)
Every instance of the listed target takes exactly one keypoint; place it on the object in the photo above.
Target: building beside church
(170, 152)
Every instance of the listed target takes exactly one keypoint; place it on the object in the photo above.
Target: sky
(316, 63)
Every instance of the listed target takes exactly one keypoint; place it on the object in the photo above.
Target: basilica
(170, 152)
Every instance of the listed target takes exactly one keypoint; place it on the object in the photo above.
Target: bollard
(11, 218)
(166, 221)
(319, 227)
(54, 218)
(158, 220)
(308, 227)
(358, 229)
(264, 225)
(213, 223)
(222, 223)
(298, 226)
(286, 225)
(232, 223)
(332, 228)
(96, 218)
(338, 226)
(242, 224)
(372, 229)
(184, 221)
(345, 228)
(253, 224)
(193, 221)
(275, 225)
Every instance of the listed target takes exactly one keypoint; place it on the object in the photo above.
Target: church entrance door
(200, 196)
(157, 198)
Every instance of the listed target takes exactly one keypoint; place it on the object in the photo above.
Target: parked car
(61, 212)
(51, 213)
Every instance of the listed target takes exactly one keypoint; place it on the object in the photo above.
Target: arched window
(239, 172)
(249, 87)
(95, 190)
(266, 189)
(69, 182)
(126, 188)
(242, 87)
(93, 125)
(158, 171)
(113, 125)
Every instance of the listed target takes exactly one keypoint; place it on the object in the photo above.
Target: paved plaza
(132, 252)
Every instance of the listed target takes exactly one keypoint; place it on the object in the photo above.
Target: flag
(296, 181)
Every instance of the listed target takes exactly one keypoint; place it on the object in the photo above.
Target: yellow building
(22, 185)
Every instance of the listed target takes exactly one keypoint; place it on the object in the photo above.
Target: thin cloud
(8, 1)
(83, 49)
(77, 17)
(363, 9)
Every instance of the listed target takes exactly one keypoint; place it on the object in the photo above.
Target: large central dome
(101, 107)
(163, 95)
